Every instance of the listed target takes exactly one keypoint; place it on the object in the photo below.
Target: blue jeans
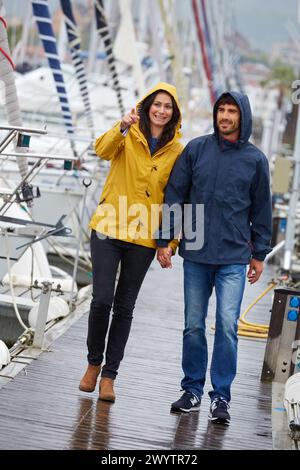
(229, 283)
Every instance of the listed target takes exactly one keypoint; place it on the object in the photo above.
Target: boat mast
(11, 98)
(75, 49)
(169, 18)
(104, 33)
(125, 48)
(19, 52)
(206, 63)
(43, 20)
(156, 35)
(216, 45)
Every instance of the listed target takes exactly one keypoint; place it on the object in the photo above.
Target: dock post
(42, 315)
(284, 333)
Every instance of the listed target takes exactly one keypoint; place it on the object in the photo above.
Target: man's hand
(129, 119)
(255, 269)
(164, 257)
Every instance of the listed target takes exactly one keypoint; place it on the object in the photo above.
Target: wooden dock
(43, 408)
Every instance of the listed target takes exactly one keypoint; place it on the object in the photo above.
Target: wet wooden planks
(45, 410)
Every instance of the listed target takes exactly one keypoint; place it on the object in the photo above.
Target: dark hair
(144, 123)
(226, 98)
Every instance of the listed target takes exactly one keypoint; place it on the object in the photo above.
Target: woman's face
(161, 110)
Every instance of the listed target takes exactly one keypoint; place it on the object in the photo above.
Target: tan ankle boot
(106, 389)
(89, 380)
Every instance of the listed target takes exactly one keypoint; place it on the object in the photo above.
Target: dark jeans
(135, 261)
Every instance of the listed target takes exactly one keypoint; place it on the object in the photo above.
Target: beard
(230, 130)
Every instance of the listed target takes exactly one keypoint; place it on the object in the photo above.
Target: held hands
(164, 257)
(256, 268)
(129, 119)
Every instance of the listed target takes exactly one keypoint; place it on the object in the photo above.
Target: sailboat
(23, 261)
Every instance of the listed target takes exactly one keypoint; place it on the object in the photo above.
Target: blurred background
(203, 47)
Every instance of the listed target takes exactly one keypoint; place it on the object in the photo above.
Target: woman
(143, 148)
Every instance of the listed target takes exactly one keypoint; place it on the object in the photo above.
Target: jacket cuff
(162, 243)
(258, 256)
(125, 131)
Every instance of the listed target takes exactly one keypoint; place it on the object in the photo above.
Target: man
(230, 177)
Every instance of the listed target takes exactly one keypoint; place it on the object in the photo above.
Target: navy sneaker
(218, 412)
(188, 402)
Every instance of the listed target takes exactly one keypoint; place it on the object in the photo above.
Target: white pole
(156, 38)
(125, 48)
(62, 40)
(290, 230)
(19, 52)
(267, 137)
(86, 183)
(275, 142)
(92, 48)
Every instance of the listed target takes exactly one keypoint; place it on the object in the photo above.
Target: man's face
(228, 119)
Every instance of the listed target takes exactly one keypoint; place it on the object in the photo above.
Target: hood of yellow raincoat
(162, 86)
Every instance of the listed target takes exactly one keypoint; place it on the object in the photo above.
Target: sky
(264, 22)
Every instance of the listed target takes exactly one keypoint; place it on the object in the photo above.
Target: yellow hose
(254, 330)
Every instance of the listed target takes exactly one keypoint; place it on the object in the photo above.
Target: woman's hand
(164, 257)
(129, 119)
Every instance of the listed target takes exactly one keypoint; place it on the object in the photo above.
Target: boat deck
(43, 408)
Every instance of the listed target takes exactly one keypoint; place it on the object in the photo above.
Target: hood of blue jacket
(246, 115)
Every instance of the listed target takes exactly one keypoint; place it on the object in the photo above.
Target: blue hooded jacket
(231, 180)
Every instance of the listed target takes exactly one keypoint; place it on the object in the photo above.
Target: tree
(281, 75)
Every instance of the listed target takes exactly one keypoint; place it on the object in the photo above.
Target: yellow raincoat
(129, 207)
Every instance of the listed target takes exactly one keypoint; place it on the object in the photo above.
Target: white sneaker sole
(219, 420)
(178, 410)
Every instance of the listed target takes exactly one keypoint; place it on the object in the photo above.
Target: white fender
(4, 354)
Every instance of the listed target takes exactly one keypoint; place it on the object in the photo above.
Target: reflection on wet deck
(45, 410)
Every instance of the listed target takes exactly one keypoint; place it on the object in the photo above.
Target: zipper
(250, 244)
